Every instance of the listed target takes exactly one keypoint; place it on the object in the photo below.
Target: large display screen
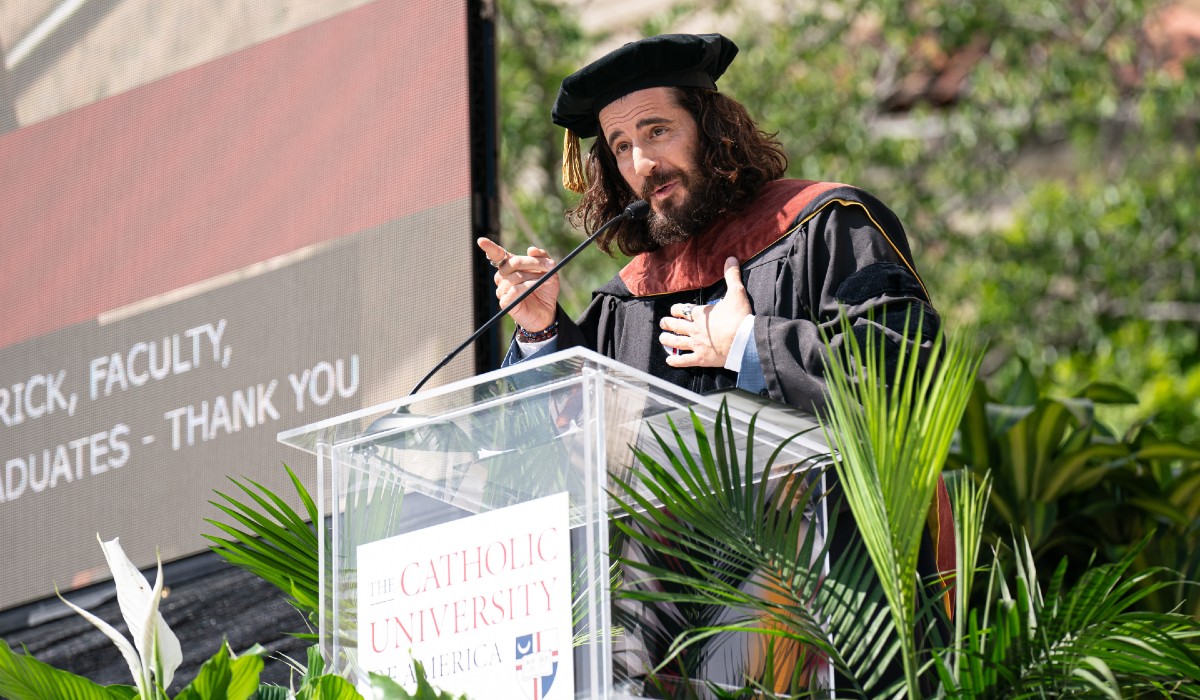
(219, 220)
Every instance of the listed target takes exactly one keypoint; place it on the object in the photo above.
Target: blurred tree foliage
(1042, 154)
(540, 43)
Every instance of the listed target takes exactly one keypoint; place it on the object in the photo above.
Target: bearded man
(739, 275)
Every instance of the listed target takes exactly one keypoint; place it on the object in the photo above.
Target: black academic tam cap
(667, 60)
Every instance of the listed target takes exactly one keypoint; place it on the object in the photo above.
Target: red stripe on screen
(317, 134)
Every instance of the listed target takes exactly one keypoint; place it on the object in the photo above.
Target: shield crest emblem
(536, 661)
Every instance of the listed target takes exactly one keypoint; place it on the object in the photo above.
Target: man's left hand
(704, 333)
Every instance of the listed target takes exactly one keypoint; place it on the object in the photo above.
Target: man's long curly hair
(739, 156)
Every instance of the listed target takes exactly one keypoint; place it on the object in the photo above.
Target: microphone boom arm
(636, 211)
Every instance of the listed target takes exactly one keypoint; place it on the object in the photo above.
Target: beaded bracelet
(546, 333)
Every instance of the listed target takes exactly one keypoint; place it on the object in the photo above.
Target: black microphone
(638, 210)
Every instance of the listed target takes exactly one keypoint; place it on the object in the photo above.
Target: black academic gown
(807, 250)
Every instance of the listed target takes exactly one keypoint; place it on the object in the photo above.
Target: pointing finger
(491, 248)
(495, 253)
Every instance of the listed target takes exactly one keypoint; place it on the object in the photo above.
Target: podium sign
(416, 498)
(462, 595)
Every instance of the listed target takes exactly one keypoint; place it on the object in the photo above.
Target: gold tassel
(572, 170)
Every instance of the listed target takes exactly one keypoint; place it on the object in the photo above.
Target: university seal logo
(537, 663)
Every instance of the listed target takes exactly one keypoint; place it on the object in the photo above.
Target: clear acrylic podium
(565, 423)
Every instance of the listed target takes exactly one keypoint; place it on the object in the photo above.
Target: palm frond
(1086, 639)
(716, 530)
(274, 541)
(706, 528)
(892, 430)
(970, 512)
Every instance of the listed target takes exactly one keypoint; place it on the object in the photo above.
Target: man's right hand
(515, 274)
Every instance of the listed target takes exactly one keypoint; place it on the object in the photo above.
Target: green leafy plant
(1081, 640)
(152, 656)
(275, 542)
(315, 684)
(868, 614)
(388, 689)
(892, 431)
(155, 654)
(23, 677)
(1077, 489)
(279, 545)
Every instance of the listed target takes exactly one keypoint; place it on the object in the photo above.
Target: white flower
(155, 652)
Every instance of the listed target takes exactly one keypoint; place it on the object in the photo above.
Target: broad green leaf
(384, 688)
(1185, 493)
(1002, 417)
(1166, 510)
(223, 676)
(271, 692)
(328, 687)
(1023, 391)
(213, 679)
(1103, 392)
(1168, 450)
(315, 666)
(23, 677)
(1079, 470)
(974, 431)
